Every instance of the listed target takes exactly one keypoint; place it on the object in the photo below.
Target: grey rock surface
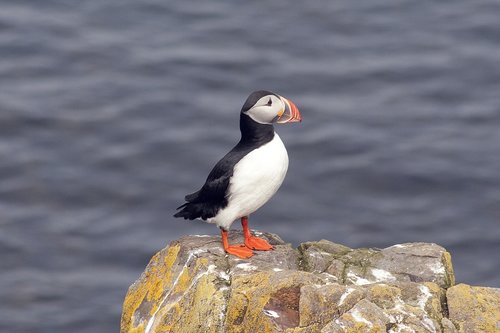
(193, 286)
(410, 262)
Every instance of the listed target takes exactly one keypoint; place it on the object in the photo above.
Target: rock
(186, 286)
(474, 309)
(415, 262)
(193, 286)
(448, 326)
(373, 307)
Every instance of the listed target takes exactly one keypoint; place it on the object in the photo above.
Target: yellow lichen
(435, 302)
(194, 311)
(251, 294)
(354, 326)
(149, 287)
(183, 281)
(138, 329)
(474, 308)
(450, 274)
(161, 276)
(384, 295)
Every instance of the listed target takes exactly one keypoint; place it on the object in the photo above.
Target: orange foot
(239, 250)
(256, 243)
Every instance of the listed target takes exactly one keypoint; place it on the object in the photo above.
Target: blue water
(111, 111)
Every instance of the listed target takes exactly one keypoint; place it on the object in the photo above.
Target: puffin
(248, 175)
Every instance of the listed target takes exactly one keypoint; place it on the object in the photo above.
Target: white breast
(256, 178)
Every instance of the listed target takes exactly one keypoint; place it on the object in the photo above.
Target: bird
(248, 175)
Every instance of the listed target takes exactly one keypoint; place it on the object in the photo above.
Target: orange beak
(291, 113)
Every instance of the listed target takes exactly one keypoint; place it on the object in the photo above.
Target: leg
(252, 242)
(238, 250)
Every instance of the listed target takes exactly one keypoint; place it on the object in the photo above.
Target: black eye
(270, 102)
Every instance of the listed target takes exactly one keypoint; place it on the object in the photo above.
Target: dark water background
(111, 111)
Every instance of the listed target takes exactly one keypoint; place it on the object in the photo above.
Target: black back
(212, 197)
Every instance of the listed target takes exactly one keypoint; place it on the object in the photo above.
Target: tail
(188, 211)
(191, 209)
(196, 207)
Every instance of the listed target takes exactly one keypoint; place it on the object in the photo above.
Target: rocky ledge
(193, 286)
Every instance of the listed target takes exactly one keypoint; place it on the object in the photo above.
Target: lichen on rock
(474, 309)
(193, 286)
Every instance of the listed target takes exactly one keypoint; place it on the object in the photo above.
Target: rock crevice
(193, 286)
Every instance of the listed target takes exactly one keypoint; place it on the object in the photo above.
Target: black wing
(206, 202)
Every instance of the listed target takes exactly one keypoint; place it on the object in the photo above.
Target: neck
(252, 131)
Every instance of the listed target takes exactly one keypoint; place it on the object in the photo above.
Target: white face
(267, 109)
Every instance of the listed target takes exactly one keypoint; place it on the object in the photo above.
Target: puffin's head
(266, 107)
